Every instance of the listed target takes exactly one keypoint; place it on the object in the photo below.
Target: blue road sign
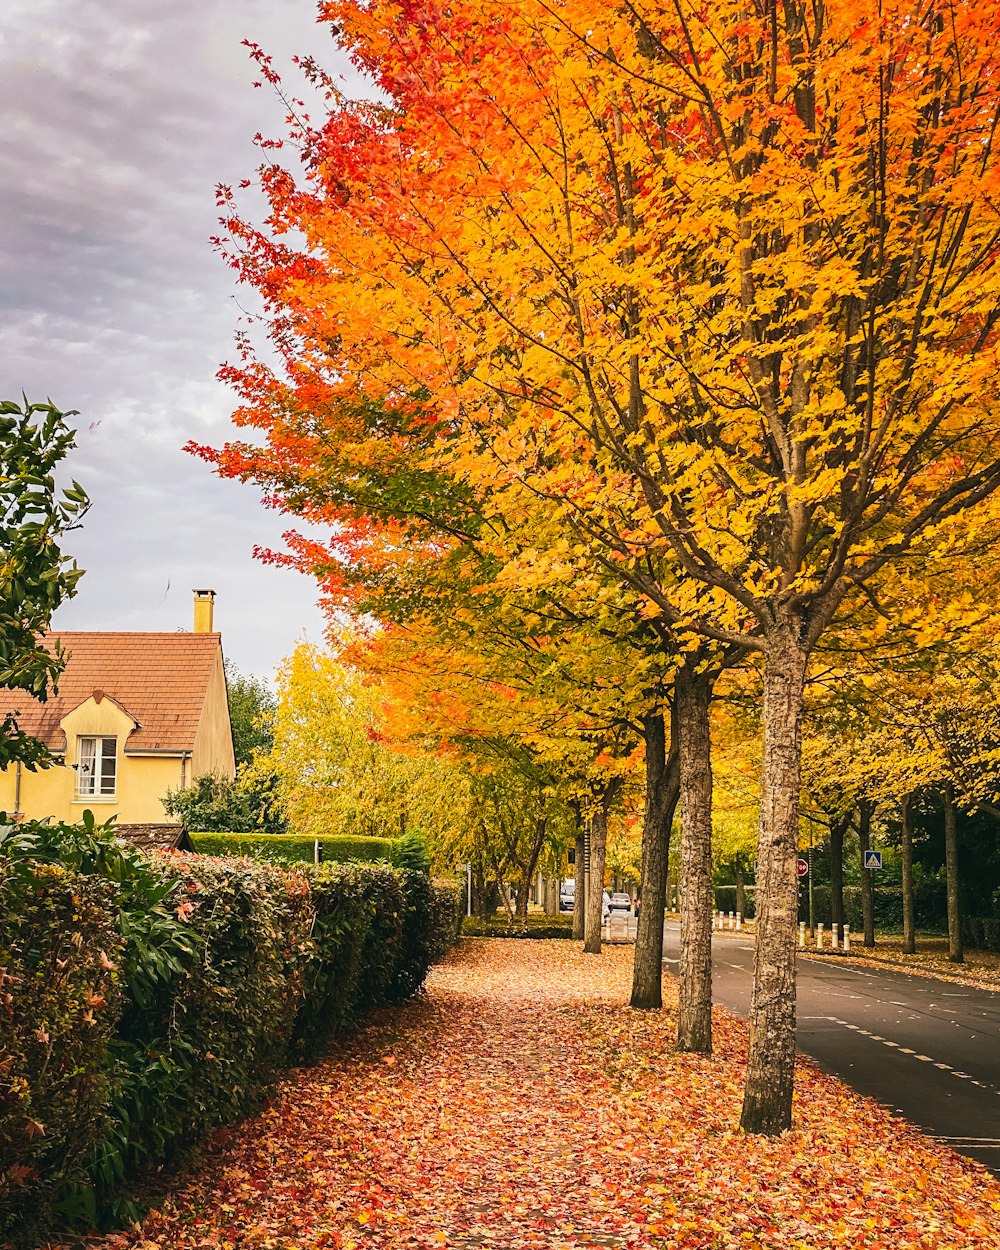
(873, 859)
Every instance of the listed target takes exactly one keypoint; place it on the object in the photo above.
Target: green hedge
(280, 848)
(930, 905)
(60, 954)
(535, 927)
(981, 932)
(188, 984)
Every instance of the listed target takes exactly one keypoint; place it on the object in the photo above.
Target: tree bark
(838, 827)
(906, 849)
(865, 813)
(580, 883)
(767, 1098)
(692, 692)
(598, 854)
(955, 952)
(528, 870)
(662, 792)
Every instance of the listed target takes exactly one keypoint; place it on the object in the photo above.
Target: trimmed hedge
(59, 1000)
(536, 927)
(981, 933)
(186, 984)
(930, 905)
(281, 848)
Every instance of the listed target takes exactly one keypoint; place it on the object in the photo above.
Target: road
(928, 1049)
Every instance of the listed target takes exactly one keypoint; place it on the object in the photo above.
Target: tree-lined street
(927, 1049)
(520, 1105)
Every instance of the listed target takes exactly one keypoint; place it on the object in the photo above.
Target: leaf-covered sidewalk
(520, 1103)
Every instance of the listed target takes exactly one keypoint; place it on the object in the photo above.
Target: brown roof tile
(158, 679)
(155, 837)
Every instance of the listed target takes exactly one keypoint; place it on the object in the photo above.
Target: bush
(59, 1005)
(184, 984)
(535, 927)
(280, 848)
(332, 972)
(981, 932)
(416, 950)
(447, 910)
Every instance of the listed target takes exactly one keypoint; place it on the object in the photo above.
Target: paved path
(928, 1049)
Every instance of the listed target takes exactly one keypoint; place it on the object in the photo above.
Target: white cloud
(118, 121)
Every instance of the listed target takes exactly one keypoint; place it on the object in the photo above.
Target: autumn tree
(717, 282)
(334, 768)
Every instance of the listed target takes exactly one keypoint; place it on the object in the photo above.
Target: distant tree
(35, 575)
(252, 707)
(214, 804)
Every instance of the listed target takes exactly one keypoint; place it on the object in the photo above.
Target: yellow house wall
(213, 743)
(141, 781)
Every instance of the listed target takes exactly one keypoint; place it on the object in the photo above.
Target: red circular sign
(803, 868)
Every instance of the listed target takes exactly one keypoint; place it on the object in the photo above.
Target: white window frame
(95, 780)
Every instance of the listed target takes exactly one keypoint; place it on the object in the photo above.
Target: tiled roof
(158, 679)
(155, 837)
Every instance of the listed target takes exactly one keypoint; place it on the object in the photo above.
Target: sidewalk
(520, 1105)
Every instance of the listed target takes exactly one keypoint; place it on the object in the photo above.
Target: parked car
(620, 902)
(567, 893)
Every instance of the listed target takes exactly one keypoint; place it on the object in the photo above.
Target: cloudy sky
(118, 119)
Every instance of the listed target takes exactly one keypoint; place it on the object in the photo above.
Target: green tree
(35, 575)
(252, 707)
(213, 804)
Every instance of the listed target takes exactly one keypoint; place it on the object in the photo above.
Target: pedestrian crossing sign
(873, 859)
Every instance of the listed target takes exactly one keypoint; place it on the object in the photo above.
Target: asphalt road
(927, 1049)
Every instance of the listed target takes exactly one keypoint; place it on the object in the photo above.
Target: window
(96, 768)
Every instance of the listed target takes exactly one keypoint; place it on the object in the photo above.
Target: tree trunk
(550, 895)
(865, 813)
(741, 899)
(955, 952)
(838, 827)
(598, 854)
(767, 1098)
(906, 848)
(662, 792)
(580, 883)
(692, 692)
(528, 870)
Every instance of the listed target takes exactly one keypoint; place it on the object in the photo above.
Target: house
(135, 715)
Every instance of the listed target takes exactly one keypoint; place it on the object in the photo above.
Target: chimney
(204, 611)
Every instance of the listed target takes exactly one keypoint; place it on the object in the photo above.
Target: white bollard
(715, 919)
(819, 937)
(739, 922)
(847, 939)
(802, 935)
(833, 936)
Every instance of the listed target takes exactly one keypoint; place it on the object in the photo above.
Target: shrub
(59, 1006)
(183, 984)
(212, 1002)
(535, 927)
(334, 963)
(981, 932)
(282, 848)
(386, 903)
(447, 908)
(417, 939)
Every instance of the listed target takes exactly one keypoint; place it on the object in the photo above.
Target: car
(567, 893)
(620, 902)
